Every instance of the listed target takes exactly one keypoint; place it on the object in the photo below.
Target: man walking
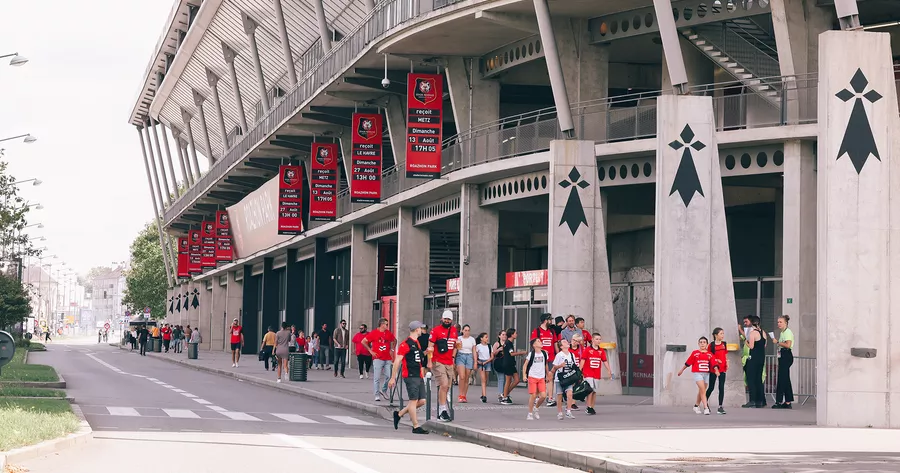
(237, 342)
(569, 330)
(143, 334)
(341, 338)
(363, 357)
(166, 337)
(380, 343)
(442, 346)
(410, 358)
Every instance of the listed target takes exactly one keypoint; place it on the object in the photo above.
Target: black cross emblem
(196, 301)
(686, 181)
(858, 142)
(573, 213)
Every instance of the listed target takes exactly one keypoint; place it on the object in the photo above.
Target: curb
(83, 435)
(59, 384)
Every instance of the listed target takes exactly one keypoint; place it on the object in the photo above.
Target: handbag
(262, 355)
(569, 375)
(581, 391)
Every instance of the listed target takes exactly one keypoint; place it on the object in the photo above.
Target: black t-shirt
(509, 361)
(423, 341)
(143, 334)
(324, 338)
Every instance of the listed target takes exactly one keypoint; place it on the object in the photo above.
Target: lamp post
(16, 60)
(29, 138)
(34, 181)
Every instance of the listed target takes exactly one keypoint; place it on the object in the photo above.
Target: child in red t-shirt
(701, 362)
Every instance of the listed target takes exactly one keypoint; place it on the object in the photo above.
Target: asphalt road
(149, 412)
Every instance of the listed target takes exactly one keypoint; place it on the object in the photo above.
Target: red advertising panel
(424, 107)
(290, 202)
(208, 244)
(194, 251)
(365, 175)
(224, 251)
(183, 255)
(323, 182)
(540, 277)
(641, 370)
(452, 285)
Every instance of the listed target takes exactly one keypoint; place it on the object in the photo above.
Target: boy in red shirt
(592, 359)
(548, 339)
(701, 362)
(380, 343)
(237, 342)
(409, 362)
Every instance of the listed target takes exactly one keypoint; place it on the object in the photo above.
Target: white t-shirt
(538, 366)
(484, 352)
(564, 358)
(467, 344)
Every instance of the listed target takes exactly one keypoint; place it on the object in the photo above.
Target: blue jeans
(501, 383)
(381, 369)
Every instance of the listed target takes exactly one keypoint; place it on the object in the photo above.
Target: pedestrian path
(209, 414)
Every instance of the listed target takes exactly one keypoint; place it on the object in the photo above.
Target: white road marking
(218, 409)
(181, 413)
(149, 428)
(93, 357)
(295, 418)
(152, 379)
(123, 411)
(188, 395)
(168, 386)
(324, 454)
(202, 401)
(179, 391)
(238, 415)
(349, 420)
(190, 430)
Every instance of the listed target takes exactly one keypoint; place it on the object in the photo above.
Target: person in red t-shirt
(409, 363)
(166, 336)
(301, 341)
(442, 347)
(701, 362)
(579, 324)
(363, 357)
(592, 359)
(548, 337)
(237, 342)
(380, 343)
(719, 349)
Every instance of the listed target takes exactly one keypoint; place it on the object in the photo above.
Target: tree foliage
(145, 281)
(13, 212)
(14, 304)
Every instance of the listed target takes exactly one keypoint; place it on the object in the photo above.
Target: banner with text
(323, 184)
(290, 202)
(424, 111)
(365, 179)
(539, 277)
(194, 250)
(183, 255)
(224, 252)
(208, 244)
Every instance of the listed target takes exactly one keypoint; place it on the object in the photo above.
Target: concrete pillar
(479, 236)
(413, 249)
(249, 317)
(693, 291)
(195, 290)
(169, 306)
(363, 277)
(234, 301)
(285, 43)
(205, 319)
(270, 316)
(230, 55)
(293, 304)
(475, 101)
(195, 164)
(162, 168)
(578, 267)
(217, 318)
(250, 30)
(395, 109)
(585, 65)
(213, 81)
(198, 101)
(700, 70)
(858, 244)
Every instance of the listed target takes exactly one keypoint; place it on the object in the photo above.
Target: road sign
(147, 311)
(106, 326)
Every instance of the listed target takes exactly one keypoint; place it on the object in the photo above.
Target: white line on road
(348, 420)
(238, 415)
(93, 357)
(181, 413)
(202, 401)
(149, 428)
(218, 409)
(188, 395)
(123, 411)
(190, 430)
(295, 418)
(167, 386)
(179, 391)
(324, 454)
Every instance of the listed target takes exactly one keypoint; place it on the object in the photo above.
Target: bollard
(427, 396)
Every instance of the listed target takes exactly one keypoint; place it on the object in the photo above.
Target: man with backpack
(548, 336)
(442, 346)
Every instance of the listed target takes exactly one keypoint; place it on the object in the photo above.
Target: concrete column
(250, 29)
(270, 298)
(699, 69)
(395, 110)
(858, 244)
(234, 301)
(693, 291)
(217, 317)
(479, 239)
(324, 32)
(162, 168)
(198, 101)
(154, 170)
(363, 277)
(156, 213)
(213, 81)
(165, 140)
(182, 160)
(586, 71)
(474, 101)
(204, 321)
(671, 42)
(578, 267)
(285, 43)
(293, 304)
(235, 85)
(195, 292)
(192, 148)
(413, 249)
(554, 67)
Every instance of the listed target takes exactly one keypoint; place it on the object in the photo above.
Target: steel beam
(155, 208)
(394, 88)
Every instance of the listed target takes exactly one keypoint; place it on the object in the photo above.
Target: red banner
(424, 111)
(540, 277)
(641, 370)
(208, 244)
(323, 182)
(290, 202)
(365, 175)
(183, 252)
(194, 251)
(224, 251)
(452, 285)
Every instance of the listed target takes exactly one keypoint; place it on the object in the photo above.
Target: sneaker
(559, 416)
(574, 407)
(569, 414)
(461, 400)
(384, 395)
(506, 401)
(696, 409)
(360, 376)
(748, 405)
(396, 420)
(233, 365)
(530, 416)
(483, 399)
(777, 405)
(444, 416)
(278, 380)
(551, 403)
(419, 430)
(237, 365)
(367, 375)
(706, 411)
(786, 406)
(536, 415)
(720, 410)
(377, 398)
(590, 411)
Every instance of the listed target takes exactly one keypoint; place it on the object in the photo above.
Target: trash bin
(192, 350)
(157, 345)
(298, 366)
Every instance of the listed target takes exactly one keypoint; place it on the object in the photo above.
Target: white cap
(448, 314)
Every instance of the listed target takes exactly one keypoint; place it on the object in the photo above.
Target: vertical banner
(365, 175)
(194, 251)
(323, 185)
(290, 201)
(424, 111)
(224, 251)
(208, 244)
(183, 256)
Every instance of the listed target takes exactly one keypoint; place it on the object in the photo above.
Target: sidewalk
(628, 434)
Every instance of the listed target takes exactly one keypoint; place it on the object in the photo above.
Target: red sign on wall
(452, 285)
(540, 277)
(194, 251)
(290, 201)
(323, 182)
(641, 369)
(208, 244)
(183, 255)
(424, 107)
(365, 175)
(224, 250)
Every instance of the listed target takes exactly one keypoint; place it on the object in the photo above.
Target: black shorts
(235, 346)
(415, 388)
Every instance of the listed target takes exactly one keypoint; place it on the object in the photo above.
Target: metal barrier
(803, 377)
(398, 390)
(428, 381)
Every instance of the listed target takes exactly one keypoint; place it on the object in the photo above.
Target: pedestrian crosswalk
(223, 414)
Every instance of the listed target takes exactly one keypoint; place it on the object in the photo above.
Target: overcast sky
(75, 94)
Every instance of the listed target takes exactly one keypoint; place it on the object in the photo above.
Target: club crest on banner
(290, 177)
(324, 157)
(365, 128)
(425, 91)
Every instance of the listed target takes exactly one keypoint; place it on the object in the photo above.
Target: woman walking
(702, 363)
(465, 362)
(499, 363)
(719, 349)
(564, 361)
(784, 391)
(268, 348)
(756, 364)
(484, 358)
(511, 370)
(282, 350)
(314, 347)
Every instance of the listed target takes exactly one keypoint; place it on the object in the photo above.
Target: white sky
(75, 95)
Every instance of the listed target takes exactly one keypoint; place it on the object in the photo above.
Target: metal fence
(803, 377)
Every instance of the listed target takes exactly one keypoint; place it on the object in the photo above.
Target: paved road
(143, 408)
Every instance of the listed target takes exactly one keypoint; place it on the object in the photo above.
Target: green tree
(145, 282)
(13, 210)
(14, 304)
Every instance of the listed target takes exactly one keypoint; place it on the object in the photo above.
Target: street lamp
(36, 206)
(39, 225)
(28, 138)
(16, 60)
(34, 181)
(40, 238)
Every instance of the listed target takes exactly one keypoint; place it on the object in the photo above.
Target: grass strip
(16, 370)
(26, 422)
(12, 391)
